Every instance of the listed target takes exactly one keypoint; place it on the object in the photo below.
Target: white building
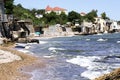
(57, 10)
(38, 15)
(100, 24)
(114, 26)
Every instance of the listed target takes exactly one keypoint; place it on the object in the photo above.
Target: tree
(9, 6)
(62, 18)
(103, 15)
(33, 11)
(41, 11)
(51, 18)
(91, 15)
(73, 15)
(118, 22)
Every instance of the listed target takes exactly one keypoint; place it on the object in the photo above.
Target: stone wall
(57, 31)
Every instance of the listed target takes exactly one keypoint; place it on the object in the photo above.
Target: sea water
(77, 57)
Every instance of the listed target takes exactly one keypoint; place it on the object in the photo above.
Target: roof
(83, 13)
(48, 8)
(58, 9)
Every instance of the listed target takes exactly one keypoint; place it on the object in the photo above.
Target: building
(114, 26)
(100, 24)
(57, 10)
(82, 14)
(2, 10)
(86, 27)
(38, 15)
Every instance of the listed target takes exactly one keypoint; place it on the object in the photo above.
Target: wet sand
(14, 70)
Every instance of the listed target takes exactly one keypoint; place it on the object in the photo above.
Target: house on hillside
(57, 10)
(38, 15)
(82, 13)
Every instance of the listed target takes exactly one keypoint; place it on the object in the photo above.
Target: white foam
(23, 45)
(43, 42)
(53, 48)
(87, 39)
(23, 50)
(48, 56)
(118, 41)
(99, 34)
(83, 61)
(101, 39)
(93, 74)
(94, 69)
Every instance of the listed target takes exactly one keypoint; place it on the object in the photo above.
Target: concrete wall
(57, 31)
(1, 10)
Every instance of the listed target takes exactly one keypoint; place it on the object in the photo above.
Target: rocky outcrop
(115, 75)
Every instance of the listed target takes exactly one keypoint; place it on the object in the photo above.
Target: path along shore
(12, 62)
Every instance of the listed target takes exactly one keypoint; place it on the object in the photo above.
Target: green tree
(51, 18)
(9, 6)
(41, 11)
(33, 11)
(21, 13)
(118, 22)
(62, 18)
(91, 15)
(103, 15)
(73, 15)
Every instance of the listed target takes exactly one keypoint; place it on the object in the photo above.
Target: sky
(110, 7)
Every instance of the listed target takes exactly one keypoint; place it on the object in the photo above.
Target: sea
(76, 57)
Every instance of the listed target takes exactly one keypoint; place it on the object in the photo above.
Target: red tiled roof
(48, 8)
(58, 9)
(83, 13)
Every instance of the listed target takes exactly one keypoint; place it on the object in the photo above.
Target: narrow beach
(12, 70)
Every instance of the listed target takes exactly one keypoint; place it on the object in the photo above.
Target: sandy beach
(11, 68)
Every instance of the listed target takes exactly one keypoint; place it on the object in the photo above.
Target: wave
(94, 65)
(93, 74)
(53, 48)
(48, 56)
(43, 42)
(101, 39)
(83, 61)
(25, 51)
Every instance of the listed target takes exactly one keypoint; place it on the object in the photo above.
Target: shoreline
(114, 75)
(17, 70)
(14, 70)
